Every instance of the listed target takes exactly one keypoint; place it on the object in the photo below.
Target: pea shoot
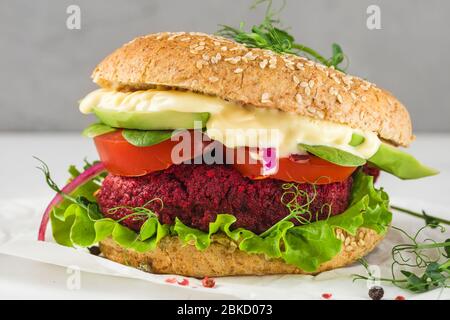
(269, 35)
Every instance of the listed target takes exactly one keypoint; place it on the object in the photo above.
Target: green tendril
(54, 186)
(141, 212)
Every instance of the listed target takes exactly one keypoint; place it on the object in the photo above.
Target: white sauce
(235, 125)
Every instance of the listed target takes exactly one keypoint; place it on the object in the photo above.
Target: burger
(217, 159)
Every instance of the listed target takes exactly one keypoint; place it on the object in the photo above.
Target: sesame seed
(299, 99)
(272, 62)
(263, 63)
(238, 70)
(364, 98)
(320, 66)
(185, 39)
(213, 79)
(365, 86)
(304, 84)
(347, 80)
(205, 57)
(265, 97)
(310, 63)
(201, 43)
(159, 37)
(308, 91)
(353, 95)
(300, 66)
(347, 241)
(199, 48)
(216, 58)
(348, 248)
(249, 56)
(339, 98)
(217, 43)
(224, 48)
(233, 60)
(333, 91)
(199, 64)
(311, 83)
(173, 37)
(335, 78)
(296, 80)
(361, 242)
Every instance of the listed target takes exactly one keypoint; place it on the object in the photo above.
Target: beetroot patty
(197, 193)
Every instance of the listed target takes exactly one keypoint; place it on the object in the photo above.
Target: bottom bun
(223, 257)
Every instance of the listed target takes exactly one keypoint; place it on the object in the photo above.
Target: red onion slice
(84, 177)
(299, 158)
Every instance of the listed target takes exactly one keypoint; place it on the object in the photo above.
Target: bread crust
(223, 257)
(217, 66)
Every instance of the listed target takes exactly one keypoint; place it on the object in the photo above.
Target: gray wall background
(45, 68)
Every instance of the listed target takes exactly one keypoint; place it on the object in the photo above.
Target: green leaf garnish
(334, 155)
(97, 129)
(269, 35)
(140, 138)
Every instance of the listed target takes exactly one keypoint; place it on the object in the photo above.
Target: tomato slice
(299, 169)
(123, 159)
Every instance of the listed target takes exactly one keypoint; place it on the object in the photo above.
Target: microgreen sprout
(424, 255)
(90, 206)
(298, 203)
(139, 213)
(269, 35)
(43, 167)
(431, 221)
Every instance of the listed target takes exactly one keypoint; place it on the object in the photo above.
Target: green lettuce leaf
(377, 215)
(76, 227)
(309, 246)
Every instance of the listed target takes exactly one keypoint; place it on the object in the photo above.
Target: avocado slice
(400, 164)
(158, 120)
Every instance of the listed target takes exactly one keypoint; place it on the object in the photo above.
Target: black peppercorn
(95, 250)
(376, 293)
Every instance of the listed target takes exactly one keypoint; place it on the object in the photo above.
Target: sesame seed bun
(216, 66)
(223, 257)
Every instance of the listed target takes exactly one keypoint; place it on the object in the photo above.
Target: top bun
(220, 67)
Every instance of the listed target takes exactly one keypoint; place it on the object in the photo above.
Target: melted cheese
(235, 125)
